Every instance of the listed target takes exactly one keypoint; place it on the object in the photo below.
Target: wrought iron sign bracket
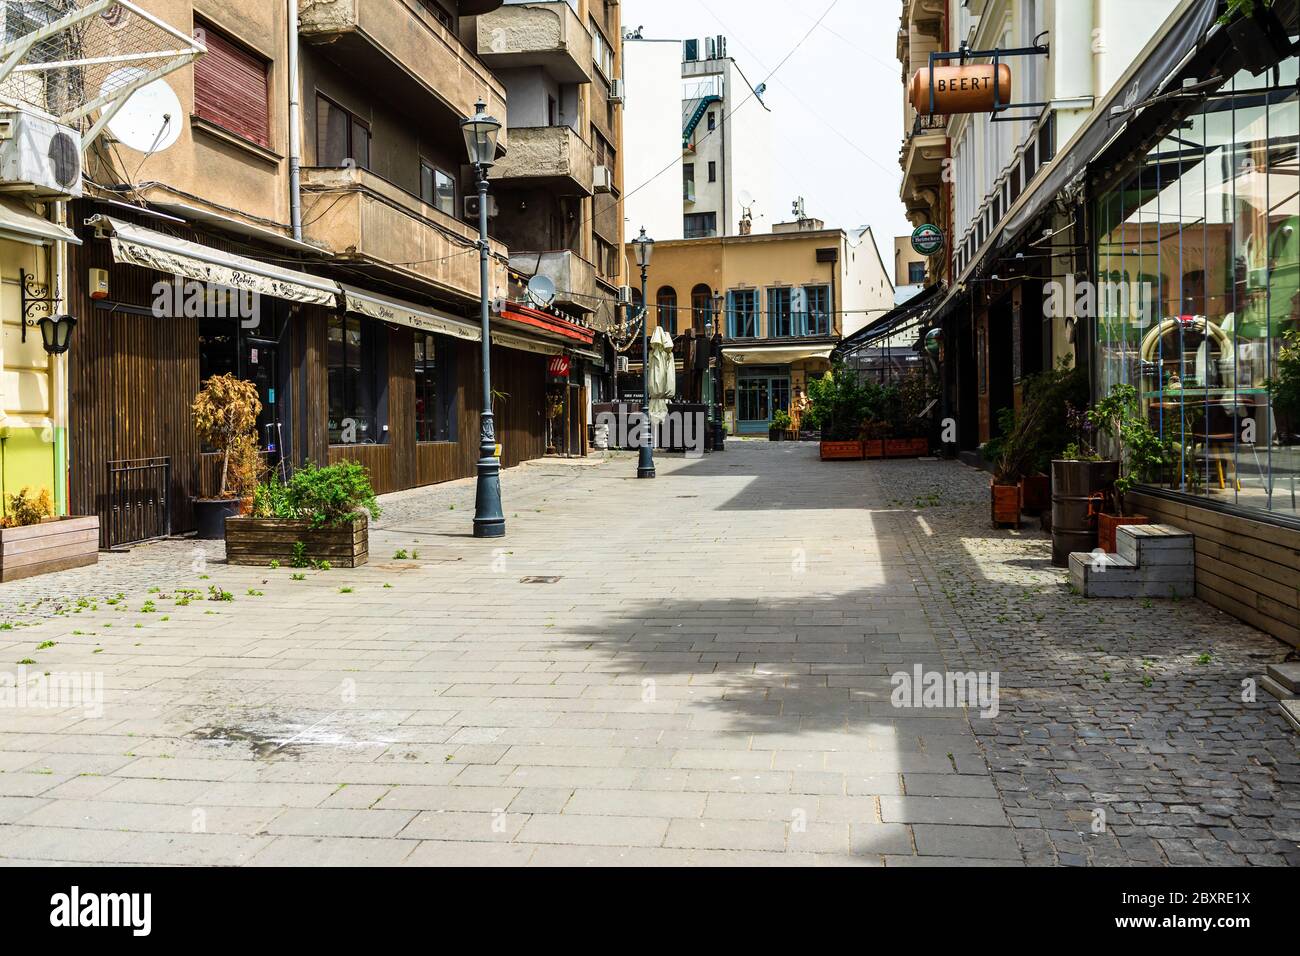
(964, 53)
(35, 297)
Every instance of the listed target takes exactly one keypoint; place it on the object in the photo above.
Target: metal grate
(139, 503)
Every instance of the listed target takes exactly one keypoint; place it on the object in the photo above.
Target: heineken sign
(927, 240)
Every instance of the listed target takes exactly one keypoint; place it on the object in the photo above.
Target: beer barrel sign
(927, 240)
(961, 89)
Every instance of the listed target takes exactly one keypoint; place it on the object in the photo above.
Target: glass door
(759, 396)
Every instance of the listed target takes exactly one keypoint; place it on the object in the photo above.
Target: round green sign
(927, 240)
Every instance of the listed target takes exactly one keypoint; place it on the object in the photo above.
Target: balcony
(401, 52)
(574, 276)
(362, 218)
(546, 35)
(554, 157)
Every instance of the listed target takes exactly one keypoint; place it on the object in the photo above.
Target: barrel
(960, 89)
(1074, 483)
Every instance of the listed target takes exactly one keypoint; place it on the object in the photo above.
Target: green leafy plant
(327, 497)
(840, 404)
(1142, 452)
(298, 556)
(1284, 387)
(1243, 8)
(1032, 438)
(781, 421)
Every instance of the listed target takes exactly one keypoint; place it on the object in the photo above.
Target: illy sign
(560, 365)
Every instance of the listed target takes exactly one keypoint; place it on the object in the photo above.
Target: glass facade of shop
(1198, 270)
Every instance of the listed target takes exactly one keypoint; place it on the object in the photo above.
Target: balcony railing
(574, 276)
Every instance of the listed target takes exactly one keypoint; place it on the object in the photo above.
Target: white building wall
(652, 138)
(750, 146)
(868, 289)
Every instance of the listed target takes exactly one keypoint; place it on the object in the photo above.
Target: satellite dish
(541, 291)
(151, 118)
(746, 198)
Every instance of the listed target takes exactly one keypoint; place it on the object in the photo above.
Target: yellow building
(783, 300)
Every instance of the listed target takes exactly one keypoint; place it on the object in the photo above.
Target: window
(605, 154)
(713, 120)
(340, 136)
(356, 371)
(713, 172)
(440, 13)
(742, 314)
(606, 259)
(700, 225)
(601, 54)
(780, 320)
(438, 188)
(688, 182)
(818, 319)
(435, 418)
(666, 300)
(231, 86)
(701, 307)
(916, 273)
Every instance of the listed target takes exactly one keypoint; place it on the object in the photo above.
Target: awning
(386, 309)
(506, 340)
(589, 356)
(21, 224)
(911, 312)
(775, 355)
(136, 245)
(1162, 56)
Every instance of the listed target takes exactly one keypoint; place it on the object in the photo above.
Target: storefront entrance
(760, 394)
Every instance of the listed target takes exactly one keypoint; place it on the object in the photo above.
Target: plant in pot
(225, 418)
(320, 514)
(1257, 33)
(781, 426)
(839, 403)
(909, 409)
(1142, 454)
(34, 540)
(1284, 387)
(1046, 400)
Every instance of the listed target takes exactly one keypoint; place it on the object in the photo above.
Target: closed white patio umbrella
(663, 375)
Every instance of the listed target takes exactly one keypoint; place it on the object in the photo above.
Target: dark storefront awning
(892, 323)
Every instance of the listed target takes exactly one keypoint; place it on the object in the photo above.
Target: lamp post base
(489, 521)
(645, 466)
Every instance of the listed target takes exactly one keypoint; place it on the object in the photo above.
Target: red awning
(538, 321)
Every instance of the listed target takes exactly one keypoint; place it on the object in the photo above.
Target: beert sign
(960, 89)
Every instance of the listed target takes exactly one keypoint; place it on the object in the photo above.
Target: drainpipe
(295, 127)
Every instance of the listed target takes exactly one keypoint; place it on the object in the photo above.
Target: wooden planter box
(907, 447)
(1005, 501)
(1035, 494)
(259, 541)
(873, 448)
(55, 545)
(841, 451)
(1107, 525)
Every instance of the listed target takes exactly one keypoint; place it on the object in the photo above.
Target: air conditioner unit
(39, 155)
(618, 92)
(623, 364)
(472, 207)
(604, 179)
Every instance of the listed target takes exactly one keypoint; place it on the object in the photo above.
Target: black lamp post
(719, 430)
(56, 333)
(481, 132)
(645, 468)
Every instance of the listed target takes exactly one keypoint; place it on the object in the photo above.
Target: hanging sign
(927, 240)
(559, 366)
(961, 89)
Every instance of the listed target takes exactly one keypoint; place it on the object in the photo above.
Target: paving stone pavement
(692, 670)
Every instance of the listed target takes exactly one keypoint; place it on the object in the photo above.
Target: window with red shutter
(231, 86)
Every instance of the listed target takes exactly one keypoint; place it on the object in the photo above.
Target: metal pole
(489, 521)
(295, 126)
(646, 462)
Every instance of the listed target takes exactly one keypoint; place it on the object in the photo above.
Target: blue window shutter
(731, 315)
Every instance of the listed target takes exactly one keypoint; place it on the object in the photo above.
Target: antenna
(151, 119)
(541, 291)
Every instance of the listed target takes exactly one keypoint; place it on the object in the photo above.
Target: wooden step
(1288, 675)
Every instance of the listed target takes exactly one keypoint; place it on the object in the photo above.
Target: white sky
(847, 71)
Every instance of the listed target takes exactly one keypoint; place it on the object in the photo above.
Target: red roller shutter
(230, 87)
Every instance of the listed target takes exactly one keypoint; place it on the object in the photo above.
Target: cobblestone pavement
(691, 670)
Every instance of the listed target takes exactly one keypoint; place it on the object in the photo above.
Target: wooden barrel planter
(841, 451)
(55, 545)
(259, 541)
(1005, 501)
(1074, 486)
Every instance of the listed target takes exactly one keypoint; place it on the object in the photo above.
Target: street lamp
(719, 431)
(481, 132)
(56, 333)
(645, 248)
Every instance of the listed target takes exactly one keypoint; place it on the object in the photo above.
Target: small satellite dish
(151, 119)
(746, 198)
(541, 291)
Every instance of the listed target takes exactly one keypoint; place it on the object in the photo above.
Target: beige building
(909, 265)
(782, 301)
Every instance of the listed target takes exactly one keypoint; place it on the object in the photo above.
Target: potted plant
(1284, 387)
(318, 515)
(1142, 455)
(1257, 33)
(33, 540)
(1079, 475)
(1046, 399)
(781, 426)
(839, 403)
(225, 417)
(909, 404)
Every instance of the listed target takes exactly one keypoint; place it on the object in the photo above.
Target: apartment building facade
(312, 160)
(725, 174)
